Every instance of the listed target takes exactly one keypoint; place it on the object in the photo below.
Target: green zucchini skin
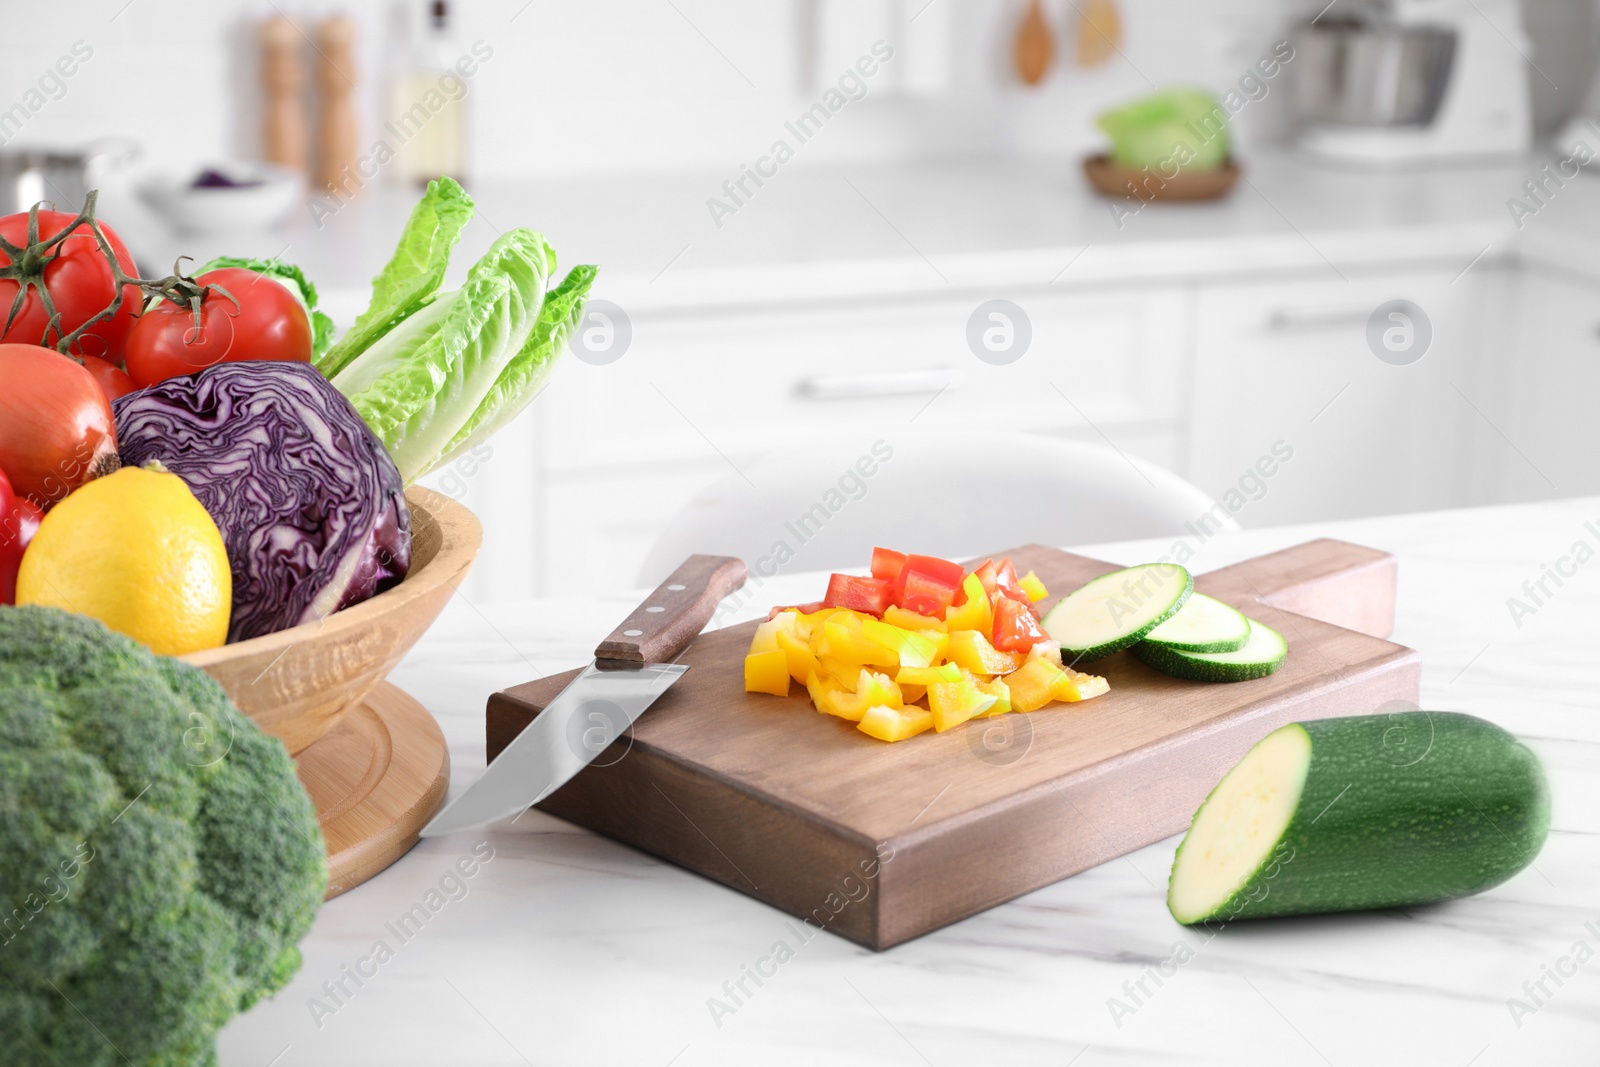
(1400, 810)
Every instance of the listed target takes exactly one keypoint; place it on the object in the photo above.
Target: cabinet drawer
(1291, 362)
(689, 387)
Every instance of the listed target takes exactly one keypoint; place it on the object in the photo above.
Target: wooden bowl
(297, 682)
(1114, 179)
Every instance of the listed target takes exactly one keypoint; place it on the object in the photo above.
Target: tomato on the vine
(78, 278)
(112, 379)
(243, 316)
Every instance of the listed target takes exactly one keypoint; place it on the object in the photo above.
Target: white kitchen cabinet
(1542, 376)
(1289, 361)
(615, 450)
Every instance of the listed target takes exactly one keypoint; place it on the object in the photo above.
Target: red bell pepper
(1001, 577)
(886, 563)
(871, 595)
(19, 521)
(804, 609)
(1015, 627)
(927, 585)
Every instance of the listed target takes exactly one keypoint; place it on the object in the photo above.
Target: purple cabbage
(310, 505)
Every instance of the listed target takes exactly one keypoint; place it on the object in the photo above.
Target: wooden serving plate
(376, 778)
(1136, 183)
(881, 843)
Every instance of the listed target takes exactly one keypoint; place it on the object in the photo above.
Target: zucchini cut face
(1237, 829)
(1203, 624)
(1113, 611)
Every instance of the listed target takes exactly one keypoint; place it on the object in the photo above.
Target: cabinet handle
(896, 383)
(1287, 320)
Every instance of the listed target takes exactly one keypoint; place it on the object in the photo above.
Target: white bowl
(265, 195)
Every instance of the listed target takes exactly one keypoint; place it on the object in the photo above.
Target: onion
(310, 506)
(56, 430)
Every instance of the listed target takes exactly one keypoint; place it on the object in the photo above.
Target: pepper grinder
(283, 130)
(336, 119)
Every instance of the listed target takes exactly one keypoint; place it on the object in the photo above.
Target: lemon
(137, 551)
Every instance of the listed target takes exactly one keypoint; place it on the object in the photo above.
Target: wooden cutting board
(880, 843)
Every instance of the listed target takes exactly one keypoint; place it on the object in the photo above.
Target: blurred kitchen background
(1427, 159)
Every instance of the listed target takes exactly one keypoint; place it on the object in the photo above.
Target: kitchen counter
(565, 948)
(855, 232)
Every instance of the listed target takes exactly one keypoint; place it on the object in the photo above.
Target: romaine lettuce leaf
(525, 376)
(412, 275)
(421, 383)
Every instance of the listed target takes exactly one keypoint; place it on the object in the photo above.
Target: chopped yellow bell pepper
(941, 645)
(819, 686)
(969, 649)
(1073, 686)
(912, 693)
(894, 724)
(767, 672)
(802, 661)
(1032, 685)
(895, 615)
(947, 672)
(843, 639)
(975, 614)
(911, 649)
(766, 635)
(997, 688)
(1031, 585)
(840, 671)
(872, 689)
(953, 703)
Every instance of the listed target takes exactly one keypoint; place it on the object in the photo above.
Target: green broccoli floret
(159, 860)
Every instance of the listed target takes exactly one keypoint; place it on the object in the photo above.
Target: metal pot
(1368, 72)
(62, 177)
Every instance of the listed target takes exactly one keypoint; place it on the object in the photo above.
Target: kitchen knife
(631, 669)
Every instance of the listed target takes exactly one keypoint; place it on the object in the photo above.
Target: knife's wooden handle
(662, 627)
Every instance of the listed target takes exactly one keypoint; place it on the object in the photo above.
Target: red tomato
(886, 563)
(266, 323)
(80, 284)
(870, 595)
(56, 430)
(113, 381)
(1015, 628)
(19, 521)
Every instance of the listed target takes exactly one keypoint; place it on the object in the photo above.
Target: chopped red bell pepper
(804, 609)
(886, 563)
(871, 595)
(1001, 577)
(927, 585)
(1015, 627)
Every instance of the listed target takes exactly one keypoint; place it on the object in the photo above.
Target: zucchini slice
(1116, 610)
(1203, 624)
(1262, 653)
(1370, 811)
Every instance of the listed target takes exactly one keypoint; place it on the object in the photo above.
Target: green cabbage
(1185, 128)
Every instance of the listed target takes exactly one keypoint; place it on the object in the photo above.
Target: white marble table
(567, 948)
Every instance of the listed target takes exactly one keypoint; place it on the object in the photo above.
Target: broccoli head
(159, 860)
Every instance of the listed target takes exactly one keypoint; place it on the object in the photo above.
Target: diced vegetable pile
(921, 644)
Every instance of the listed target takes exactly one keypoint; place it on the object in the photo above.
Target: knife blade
(632, 668)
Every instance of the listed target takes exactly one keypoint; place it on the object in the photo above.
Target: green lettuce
(525, 376)
(1185, 128)
(421, 382)
(413, 274)
(294, 279)
(434, 373)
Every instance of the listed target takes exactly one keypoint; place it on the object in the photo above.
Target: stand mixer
(1413, 82)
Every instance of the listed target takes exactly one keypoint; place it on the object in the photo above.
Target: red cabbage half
(310, 506)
